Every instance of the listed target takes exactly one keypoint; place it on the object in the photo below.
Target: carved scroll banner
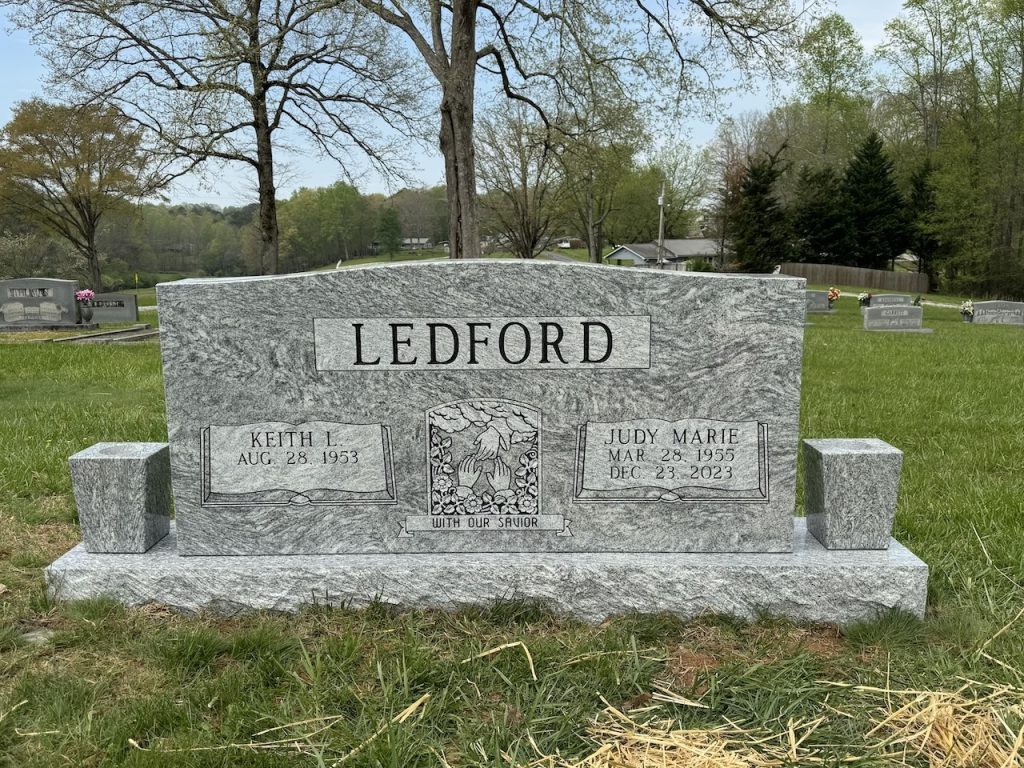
(672, 461)
(316, 462)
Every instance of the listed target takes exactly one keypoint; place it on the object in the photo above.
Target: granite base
(809, 584)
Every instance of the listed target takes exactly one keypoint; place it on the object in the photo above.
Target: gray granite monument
(390, 416)
(894, 318)
(37, 303)
(999, 313)
(442, 433)
(818, 303)
(890, 300)
(115, 308)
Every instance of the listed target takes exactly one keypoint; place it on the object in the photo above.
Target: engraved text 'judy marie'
(482, 343)
(684, 460)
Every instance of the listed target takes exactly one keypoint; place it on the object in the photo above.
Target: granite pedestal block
(123, 493)
(850, 492)
(808, 584)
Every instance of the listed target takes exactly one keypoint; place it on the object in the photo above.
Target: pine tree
(921, 210)
(879, 230)
(760, 235)
(821, 223)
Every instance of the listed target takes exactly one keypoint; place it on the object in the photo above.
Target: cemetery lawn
(93, 684)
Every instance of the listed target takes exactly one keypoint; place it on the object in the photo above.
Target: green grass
(184, 690)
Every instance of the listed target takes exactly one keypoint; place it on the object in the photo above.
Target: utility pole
(661, 227)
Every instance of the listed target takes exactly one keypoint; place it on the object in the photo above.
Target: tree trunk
(456, 136)
(269, 235)
(270, 242)
(92, 256)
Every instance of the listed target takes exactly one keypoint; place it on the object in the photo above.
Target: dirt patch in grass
(706, 647)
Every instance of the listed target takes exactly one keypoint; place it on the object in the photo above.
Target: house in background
(683, 252)
(416, 243)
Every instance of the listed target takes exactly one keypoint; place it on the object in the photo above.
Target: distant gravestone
(894, 318)
(370, 411)
(889, 300)
(999, 313)
(37, 303)
(817, 302)
(115, 308)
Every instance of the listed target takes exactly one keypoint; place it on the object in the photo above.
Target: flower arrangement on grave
(82, 305)
(833, 296)
(917, 300)
(967, 311)
(864, 299)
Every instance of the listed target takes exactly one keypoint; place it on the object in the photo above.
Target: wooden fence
(876, 279)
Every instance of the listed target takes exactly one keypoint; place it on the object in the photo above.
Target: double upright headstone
(999, 313)
(36, 303)
(605, 439)
(483, 407)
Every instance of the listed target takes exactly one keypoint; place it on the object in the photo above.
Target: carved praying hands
(469, 472)
(501, 478)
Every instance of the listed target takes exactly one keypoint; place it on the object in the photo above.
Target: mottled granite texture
(271, 352)
(123, 494)
(817, 303)
(850, 492)
(894, 318)
(999, 313)
(809, 584)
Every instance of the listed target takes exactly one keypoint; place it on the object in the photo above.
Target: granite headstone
(890, 300)
(999, 313)
(817, 302)
(37, 302)
(893, 318)
(115, 308)
(483, 407)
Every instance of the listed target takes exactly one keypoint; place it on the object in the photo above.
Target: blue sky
(23, 74)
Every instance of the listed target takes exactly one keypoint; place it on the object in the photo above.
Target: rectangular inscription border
(232, 500)
(421, 369)
(762, 457)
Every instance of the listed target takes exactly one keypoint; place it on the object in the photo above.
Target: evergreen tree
(389, 231)
(760, 235)
(921, 210)
(877, 212)
(821, 224)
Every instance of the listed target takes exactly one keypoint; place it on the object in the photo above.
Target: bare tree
(518, 171)
(526, 44)
(216, 79)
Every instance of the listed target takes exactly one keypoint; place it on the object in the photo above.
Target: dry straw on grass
(976, 726)
(940, 729)
(625, 742)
